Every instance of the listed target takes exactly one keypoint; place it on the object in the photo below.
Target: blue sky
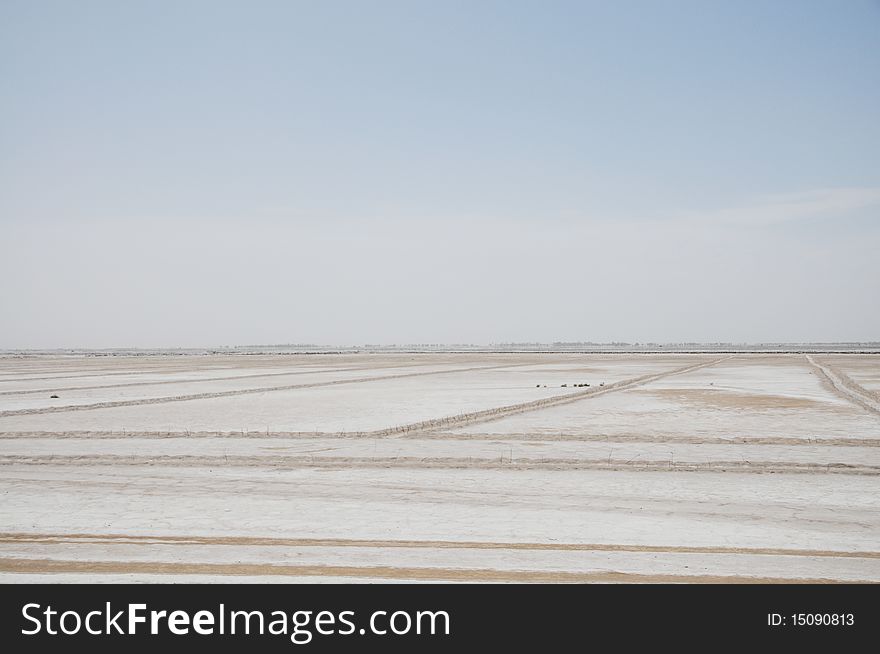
(540, 168)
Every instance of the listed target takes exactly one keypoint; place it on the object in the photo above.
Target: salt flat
(452, 467)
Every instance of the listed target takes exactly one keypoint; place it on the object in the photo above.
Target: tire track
(488, 415)
(43, 566)
(60, 389)
(248, 541)
(435, 435)
(108, 372)
(846, 387)
(242, 391)
(792, 441)
(852, 384)
(145, 367)
(503, 462)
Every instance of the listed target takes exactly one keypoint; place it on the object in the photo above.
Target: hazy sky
(208, 173)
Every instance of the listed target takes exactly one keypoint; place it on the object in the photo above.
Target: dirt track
(501, 412)
(50, 566)
(218, 394)
(110, 539)
(679, 468)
